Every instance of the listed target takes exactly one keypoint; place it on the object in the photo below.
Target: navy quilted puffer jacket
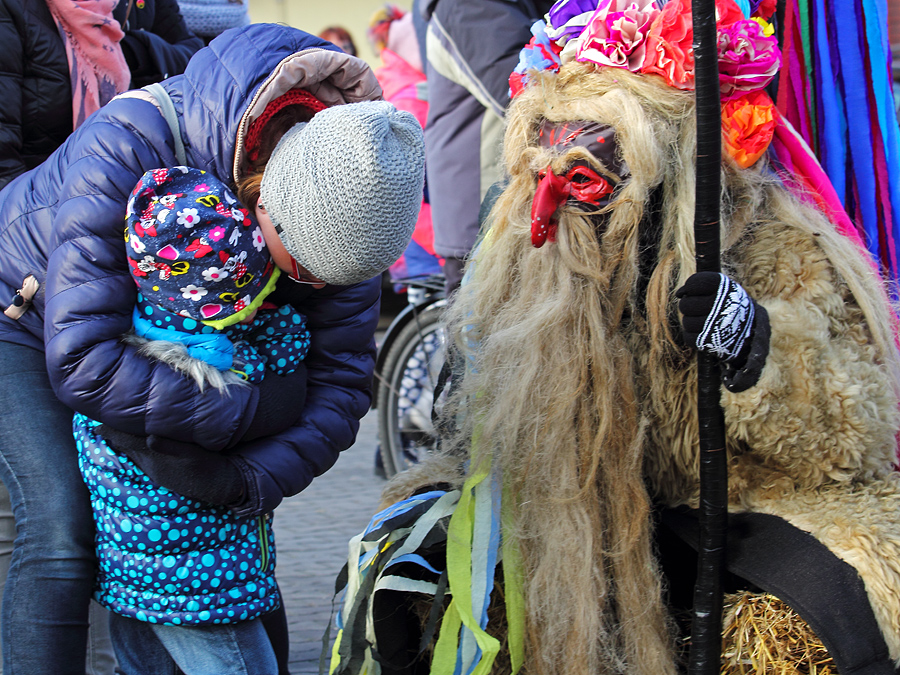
(63, 222)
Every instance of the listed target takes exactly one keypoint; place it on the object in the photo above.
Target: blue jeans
(44, 619)
(220, 649)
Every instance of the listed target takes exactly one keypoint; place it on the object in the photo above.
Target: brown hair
(339, 37)
(248, 189)
(248, 186)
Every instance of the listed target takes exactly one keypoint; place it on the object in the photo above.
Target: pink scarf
(97, 67)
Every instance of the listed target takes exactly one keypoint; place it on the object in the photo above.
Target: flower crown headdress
(654, 38)
(647, 38)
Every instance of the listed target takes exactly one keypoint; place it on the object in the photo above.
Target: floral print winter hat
(194, 250)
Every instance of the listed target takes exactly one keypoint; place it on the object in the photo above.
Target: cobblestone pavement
(312, 531)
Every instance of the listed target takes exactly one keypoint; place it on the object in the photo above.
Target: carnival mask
(580, 185)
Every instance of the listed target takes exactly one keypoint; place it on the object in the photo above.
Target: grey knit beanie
(344, 191)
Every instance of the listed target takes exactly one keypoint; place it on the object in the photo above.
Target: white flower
(191, 292)
(136, 244)
(259, 241)
(214, 274)
(188, 217)
(161, 216)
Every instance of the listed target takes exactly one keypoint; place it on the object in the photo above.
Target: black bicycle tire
(394, 366)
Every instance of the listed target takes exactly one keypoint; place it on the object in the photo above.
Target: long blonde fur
(579, 389)
(551, 392)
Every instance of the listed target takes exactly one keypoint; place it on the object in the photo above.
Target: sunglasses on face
(301, 276)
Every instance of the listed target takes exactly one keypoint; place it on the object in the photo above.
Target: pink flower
(201, 187)
(669, 49)
(748, 60)
(217, 233)
(670, 52)
(616, 34)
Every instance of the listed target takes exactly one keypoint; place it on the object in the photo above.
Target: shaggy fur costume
(579, 387)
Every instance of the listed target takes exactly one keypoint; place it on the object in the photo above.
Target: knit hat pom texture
(346, 189)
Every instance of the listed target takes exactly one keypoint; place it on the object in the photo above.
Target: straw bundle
(762, 634)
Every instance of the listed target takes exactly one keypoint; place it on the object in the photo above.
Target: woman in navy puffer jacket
(61, 225)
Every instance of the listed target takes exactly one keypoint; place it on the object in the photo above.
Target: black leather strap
(781, 559)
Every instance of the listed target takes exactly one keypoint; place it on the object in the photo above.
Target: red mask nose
(581, 183)
(550, 194)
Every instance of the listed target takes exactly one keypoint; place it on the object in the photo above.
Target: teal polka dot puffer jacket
(164, 558)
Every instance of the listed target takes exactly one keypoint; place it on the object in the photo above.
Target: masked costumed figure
(575, 418)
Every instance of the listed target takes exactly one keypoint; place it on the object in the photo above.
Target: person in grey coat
(472, 46)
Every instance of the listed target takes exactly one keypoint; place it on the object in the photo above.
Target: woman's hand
(183, 468)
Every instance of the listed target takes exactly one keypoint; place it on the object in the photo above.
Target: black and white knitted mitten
(720, 318)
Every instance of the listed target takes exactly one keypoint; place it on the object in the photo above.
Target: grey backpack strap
(168, 111)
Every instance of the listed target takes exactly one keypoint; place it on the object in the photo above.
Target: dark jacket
(64, 223)
(473, 47)
(157, 42)
(36, 113)
(36, 109)
(168, 559)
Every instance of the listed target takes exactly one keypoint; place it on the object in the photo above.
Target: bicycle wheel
(406, 391)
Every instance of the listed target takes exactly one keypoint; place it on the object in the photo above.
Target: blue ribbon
(832, 130)
(847, 18)
(875, 11)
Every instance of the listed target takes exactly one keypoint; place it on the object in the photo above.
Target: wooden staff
(706, 620)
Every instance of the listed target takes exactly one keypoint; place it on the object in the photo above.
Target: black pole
(706, 620)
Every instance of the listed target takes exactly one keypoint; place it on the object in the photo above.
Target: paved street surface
(312, 530)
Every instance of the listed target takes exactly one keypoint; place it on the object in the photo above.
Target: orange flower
(747, 127)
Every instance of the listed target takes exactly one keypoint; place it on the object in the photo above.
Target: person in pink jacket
(401, 76)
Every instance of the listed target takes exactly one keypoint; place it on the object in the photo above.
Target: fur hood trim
(175, 355)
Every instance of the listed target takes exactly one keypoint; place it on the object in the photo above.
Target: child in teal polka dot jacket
(200, 574)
